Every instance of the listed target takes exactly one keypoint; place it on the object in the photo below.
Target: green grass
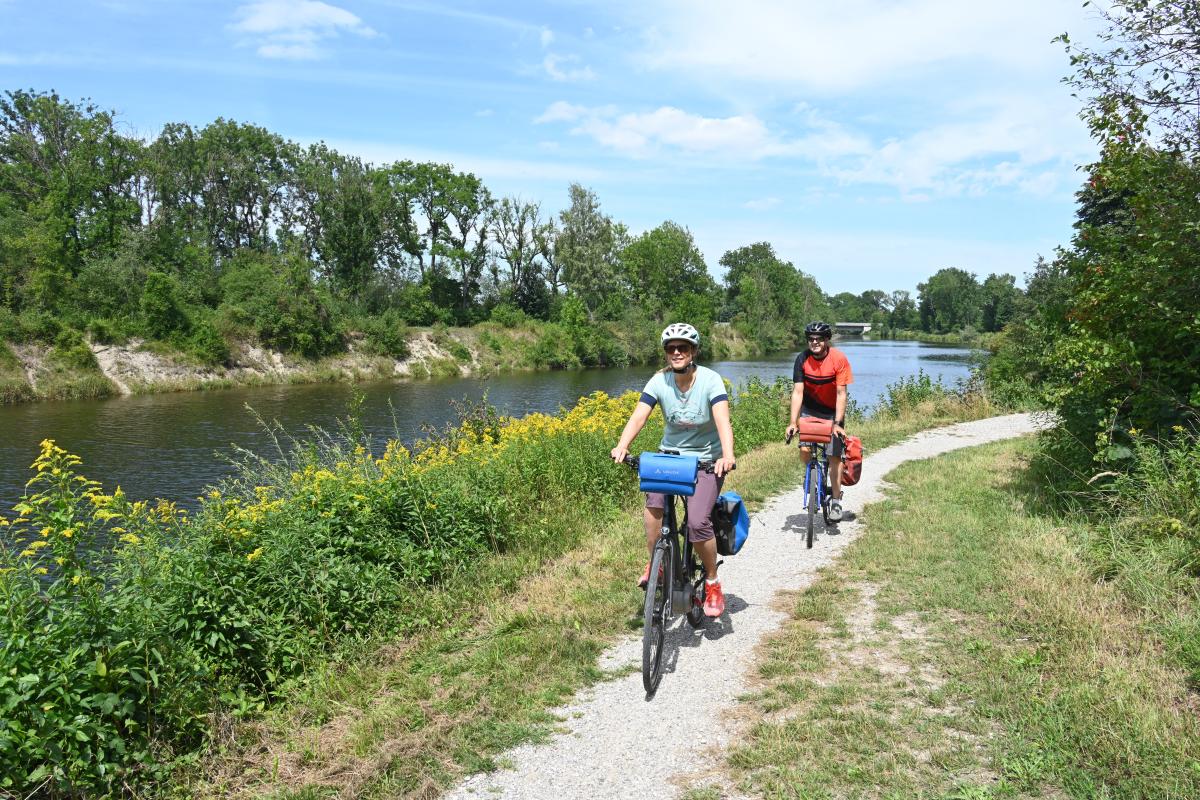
(963, 649)
(14, 386)
(410, 717)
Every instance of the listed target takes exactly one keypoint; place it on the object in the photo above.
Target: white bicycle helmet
(680, 331)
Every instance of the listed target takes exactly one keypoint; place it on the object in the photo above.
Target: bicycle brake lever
(790, 436)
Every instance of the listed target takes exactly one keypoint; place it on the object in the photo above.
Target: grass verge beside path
(406, 719)
(962, 649)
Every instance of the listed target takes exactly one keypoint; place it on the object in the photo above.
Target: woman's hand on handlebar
(723, 466)
(789, 433)
(618, 454)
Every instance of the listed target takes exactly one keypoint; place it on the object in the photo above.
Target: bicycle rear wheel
(654, 621)
(813, 477)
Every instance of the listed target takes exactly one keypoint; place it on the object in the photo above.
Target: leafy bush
(508, 316)
(278, 301)
(71, 352)
(386, 334)
(162, 311)
(207, 344)
(910, 391)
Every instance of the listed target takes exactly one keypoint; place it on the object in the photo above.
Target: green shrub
(71, 352)
(279, 302)
(207, 344)
(508, 316)
(386, 334)
(162, 312)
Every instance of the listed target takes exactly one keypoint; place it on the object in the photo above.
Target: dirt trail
(615, 742)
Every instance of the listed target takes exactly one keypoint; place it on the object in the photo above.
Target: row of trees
(204, 234)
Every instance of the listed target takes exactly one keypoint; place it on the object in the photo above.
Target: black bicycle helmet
(821, 329)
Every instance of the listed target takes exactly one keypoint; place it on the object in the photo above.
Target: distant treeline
(204, 236)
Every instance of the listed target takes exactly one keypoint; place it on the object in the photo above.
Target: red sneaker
(645, 579)
(714, 600)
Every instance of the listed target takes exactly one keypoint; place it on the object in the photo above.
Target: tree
(999, 301)
(948, 301)
(517, 229)
(902, 311)
(663, 265)
(340, 210)
(770, 298)
(1142, 81)
(68, 183)
(586, 248)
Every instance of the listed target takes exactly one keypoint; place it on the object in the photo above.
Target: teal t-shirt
(689, 428)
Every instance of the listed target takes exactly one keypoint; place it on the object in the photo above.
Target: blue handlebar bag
(668, 474)
(731, 522)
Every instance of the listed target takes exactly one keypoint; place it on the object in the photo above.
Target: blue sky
(873, 142)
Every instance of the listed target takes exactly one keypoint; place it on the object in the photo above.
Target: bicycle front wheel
(654, 622)
(813, 478)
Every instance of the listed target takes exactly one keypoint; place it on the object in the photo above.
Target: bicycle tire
(695, 614)
(813, 477)
(654, 618)
(828, 496)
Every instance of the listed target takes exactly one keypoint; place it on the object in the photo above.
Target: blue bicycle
(817, 492)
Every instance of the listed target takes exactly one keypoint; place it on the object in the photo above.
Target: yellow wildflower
(68, 533)
(75, 580)
(46, 531)
(251, 556)
(131, 538)
(41, 571)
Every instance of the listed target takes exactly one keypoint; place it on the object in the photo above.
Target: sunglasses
(816, 339)
(678, 348)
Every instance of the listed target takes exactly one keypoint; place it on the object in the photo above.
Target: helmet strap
(691, 366)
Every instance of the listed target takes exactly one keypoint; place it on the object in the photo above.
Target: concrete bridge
(852, 327)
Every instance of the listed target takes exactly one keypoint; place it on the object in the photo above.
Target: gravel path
(610, 747)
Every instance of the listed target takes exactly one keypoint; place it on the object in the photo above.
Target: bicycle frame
(816, 496)
(670, 537)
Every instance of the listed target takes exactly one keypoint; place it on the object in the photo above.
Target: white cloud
(742, 137)
(484, 112)
(853, 44)
(557, 68)
(547, 36)
(1017, 143)
(294, 29)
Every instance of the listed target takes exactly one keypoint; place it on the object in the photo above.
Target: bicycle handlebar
(707, 466)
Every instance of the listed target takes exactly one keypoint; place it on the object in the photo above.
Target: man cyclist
(820, 378)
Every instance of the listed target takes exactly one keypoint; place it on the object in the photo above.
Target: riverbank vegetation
(207, 242)
(137, 637)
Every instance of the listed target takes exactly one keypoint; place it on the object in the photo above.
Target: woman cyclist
(696, 410)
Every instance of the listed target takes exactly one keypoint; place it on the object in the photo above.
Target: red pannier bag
(852, 461)
(814, 429)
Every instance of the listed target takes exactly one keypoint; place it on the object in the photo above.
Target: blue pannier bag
(731, 522)
(668, 474)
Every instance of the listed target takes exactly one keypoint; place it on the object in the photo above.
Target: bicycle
(817, 491)
(676, 585)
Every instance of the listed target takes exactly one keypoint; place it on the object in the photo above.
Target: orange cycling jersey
(822, 377)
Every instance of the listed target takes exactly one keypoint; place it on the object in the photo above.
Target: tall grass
(131, 630)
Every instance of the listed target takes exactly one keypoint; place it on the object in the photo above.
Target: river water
(174, 445)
